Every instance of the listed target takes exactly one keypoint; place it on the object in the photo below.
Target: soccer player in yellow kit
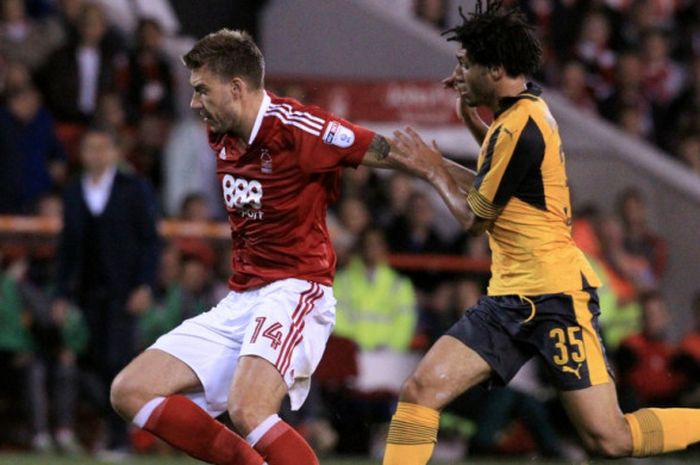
(542, 297)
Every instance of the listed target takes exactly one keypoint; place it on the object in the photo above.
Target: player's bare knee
(244, 416)
(126, 395)
(413, 390)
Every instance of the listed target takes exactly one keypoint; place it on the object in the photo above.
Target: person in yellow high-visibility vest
(376, 305)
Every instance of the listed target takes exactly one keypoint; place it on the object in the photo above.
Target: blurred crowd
(65, 67)
(635, 63)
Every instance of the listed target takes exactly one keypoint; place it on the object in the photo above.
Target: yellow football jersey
(521, 184)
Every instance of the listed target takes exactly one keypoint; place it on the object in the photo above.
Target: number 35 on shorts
(568, 345)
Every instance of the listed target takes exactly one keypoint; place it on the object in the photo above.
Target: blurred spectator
(108, 256)
(632, 120)
(629, 274)
(662, 12)
(620, 315)
(662, 78)
(234, 14)
(522, 400)
(25, 39)
(376, 305)
(436, 314)
(188, 166)
(627, 92)
(593, 49)
(17, 359)
(376, 310)
(446, 304)
(146, 158)
(363, 183)
(125, 14)
(53, 385)
(641, 18)
(467, 293)
(688, 22)
(433, 12)
(181, 296)
(573, 86)
(88, 67)
(639, 239)
(69, 14)
(150, 88)
(29, 143)
(166, 296)
(399, 187)
(643, 360)
(683, 115)
(13, 75)
(687, 359)
(111, 114)
(414, 232)
(619, 318)
(345, 227)
(195, 208)
(688, 150)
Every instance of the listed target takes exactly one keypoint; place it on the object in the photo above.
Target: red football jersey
(277, 190)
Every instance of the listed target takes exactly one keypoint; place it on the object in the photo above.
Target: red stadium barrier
(12, 226)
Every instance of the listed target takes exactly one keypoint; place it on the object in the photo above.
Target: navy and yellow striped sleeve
(514, 151)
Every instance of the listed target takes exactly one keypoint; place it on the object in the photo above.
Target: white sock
(261, 429)
(144, 414)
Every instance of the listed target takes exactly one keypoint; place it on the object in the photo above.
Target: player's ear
(497, 72)
(237, 87)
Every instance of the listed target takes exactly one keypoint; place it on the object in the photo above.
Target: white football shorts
(287, 323)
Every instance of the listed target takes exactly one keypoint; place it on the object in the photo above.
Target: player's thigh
(596, 415)
(282, 345)
(256, 392)
(152, 374)
(448, 369)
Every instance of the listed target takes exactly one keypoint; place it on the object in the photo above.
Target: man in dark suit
(108, 256)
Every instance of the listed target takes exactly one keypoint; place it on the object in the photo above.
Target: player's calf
(613, 443)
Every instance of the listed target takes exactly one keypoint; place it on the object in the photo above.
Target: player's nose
(195, 103)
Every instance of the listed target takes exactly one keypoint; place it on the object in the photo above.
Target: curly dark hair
(498, 37)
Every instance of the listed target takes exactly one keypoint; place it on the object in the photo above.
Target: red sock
(181, 423)
(281, 445)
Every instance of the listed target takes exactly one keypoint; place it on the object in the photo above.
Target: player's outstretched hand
(418, 156)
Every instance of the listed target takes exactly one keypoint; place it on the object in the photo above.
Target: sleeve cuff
(481, 206)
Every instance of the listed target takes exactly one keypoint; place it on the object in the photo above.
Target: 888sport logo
(243, 195)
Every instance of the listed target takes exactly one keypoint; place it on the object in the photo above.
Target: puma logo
(575, 371)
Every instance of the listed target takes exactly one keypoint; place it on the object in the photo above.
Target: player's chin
(469, 100)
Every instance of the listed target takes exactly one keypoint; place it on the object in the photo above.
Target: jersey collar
(258, 119)
(531, 92)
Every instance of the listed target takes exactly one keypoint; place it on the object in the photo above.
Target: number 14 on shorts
(272, 332)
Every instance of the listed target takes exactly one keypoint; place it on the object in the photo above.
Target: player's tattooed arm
(378, 153)
(385, 153)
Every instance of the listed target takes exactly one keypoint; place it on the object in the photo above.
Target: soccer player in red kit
(279, 164)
